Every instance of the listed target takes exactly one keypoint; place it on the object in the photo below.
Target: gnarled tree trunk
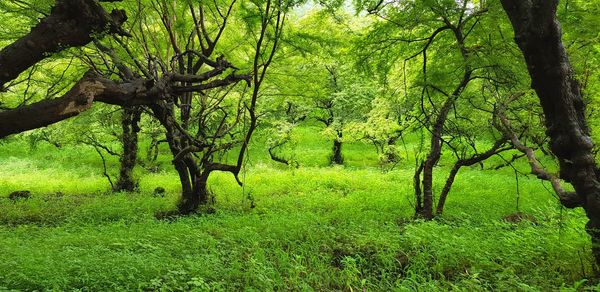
(538, 35)
(194, 195)
(193, 180)
(129, 139)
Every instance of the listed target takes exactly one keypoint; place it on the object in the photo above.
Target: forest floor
(312, 228)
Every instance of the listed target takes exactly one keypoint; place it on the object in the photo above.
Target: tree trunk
(195, 195)
(194, 191)
(437, 130)
(447, 186)
(418, 190)
(336, 156)
(476, 158)
(435, 152)
(193, 181)
(538, 35)
(129, 139)
(426, 211)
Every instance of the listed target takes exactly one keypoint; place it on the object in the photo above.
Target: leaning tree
(538, 35)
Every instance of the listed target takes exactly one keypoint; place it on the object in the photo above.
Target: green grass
(312, 228)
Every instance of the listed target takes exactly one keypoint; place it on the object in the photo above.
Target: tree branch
(71, 23)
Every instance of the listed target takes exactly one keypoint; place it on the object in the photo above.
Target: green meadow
(295, 145)
(314, 227)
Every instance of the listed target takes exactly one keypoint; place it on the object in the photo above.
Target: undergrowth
(312, 228)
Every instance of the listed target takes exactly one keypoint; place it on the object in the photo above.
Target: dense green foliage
(312, 228)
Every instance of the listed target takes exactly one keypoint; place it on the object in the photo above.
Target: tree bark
(78, 99)
(336, 155)
(538, 35)
(195, 197)
(435, 152)
(129, 140)
(418, 190)
(193, 180)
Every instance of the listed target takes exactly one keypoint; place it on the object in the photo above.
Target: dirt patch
(159, 192)
(19, 195)
(519, 217)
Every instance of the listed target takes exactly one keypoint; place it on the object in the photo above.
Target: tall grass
(311, 228)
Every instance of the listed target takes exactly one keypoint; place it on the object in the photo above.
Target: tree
(164, 76)
(389, 119)
(205, 113)
(538, 35)
(444, 48)
(320, 70)
(130, 127)
(69, 24)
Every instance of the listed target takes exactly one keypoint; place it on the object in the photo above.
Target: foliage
(383, 78)
(316, 229)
